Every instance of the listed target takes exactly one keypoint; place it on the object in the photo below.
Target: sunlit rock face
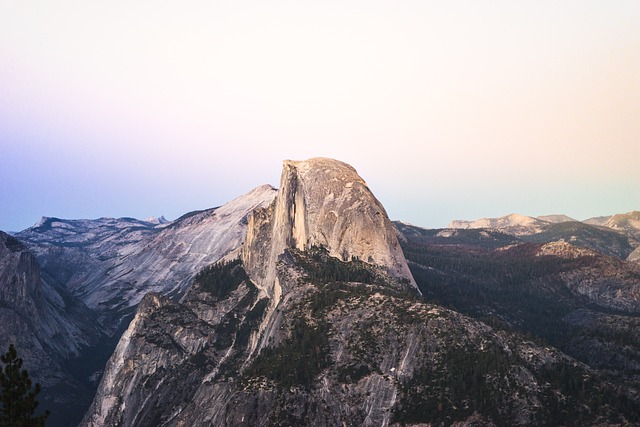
(111, 263)
(319, 323)
(627, 224)
(518, 225)
(344, 353)
(322, 202)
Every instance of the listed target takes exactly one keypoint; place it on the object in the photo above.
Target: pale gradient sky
(448, 109)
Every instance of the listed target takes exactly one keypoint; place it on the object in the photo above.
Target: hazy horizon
(150, 216)
(449, 110)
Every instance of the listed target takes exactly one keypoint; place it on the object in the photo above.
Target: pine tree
(17, 397)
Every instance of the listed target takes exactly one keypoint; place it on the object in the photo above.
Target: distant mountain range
(617, 235)
(306, 305)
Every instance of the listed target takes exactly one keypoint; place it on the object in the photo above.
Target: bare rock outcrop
(322, 202)
(627, 224)
(518, 225)
(604, 280)
(62, 326)
(343, 353)
(48, 327)
(110, 264)
(314, 326)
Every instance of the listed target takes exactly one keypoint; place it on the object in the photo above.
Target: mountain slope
(556, 219)
(112, 263)
(609, 235)
(167, 262)
(515, 224)
(627, 224)
(574, 298)
(49, 329)
(346, 353)
(308, 329)
(603, 240)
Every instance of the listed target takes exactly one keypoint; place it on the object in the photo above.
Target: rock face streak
(322, 202)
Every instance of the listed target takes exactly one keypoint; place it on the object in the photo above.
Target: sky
(448, 109)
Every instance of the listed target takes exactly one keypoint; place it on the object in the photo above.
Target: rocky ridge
(606, 281)
(616, 235)
(61, 326)
(319, 324)
(577, 299)
(556, 219)
(110, 264)
(628, 223)
(92, 274)
(601, 239)
(515, 224)
(322, 202)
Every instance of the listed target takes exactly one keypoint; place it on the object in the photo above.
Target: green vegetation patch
(579, 393)
(298, 359)
(465, 381)
(222, 278)
(322, 268)
(512, 288)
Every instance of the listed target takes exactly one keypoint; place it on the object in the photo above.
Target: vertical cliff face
(19, 276)
(349, 352)
(202, 344)
(322, 202)
(48, 328)
(172, 350)
(62, 326)
(314, 326)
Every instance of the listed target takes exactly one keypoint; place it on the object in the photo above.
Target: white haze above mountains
(137, 108)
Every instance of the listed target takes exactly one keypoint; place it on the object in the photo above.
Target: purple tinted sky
(449, 110)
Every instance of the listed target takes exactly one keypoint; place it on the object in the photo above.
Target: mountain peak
(323, 168)
(515, 224)
(322, 202)
(556, 219)
(157, 220)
